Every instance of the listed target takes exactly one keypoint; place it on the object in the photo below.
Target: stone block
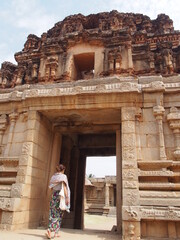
(149, 128)
(4, 193)
(130, 213)
(31, 171)
(129, 153)
(29, 180)
(25, 160)
(150, 154)
(15, 149)
(26, 190)
(130, 174)
(19, 137)
(152, 140)
(166, 129)
(6, 204)
(130, 197)
(131, 230)
(27, 148)
(169, 141)
(128, 140)
(128, 114)
(33, 125)
(32, 136)
(17, 190)
(34, 115)
(20, 127)
(172, 230)
(148, 115)
(7, 217)
(143, 140)
(130, 185)
(27, 204)
(128, 127)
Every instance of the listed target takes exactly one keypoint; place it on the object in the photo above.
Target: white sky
(101, 166)
(19, 18)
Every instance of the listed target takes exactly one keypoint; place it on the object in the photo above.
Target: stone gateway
(99, 85)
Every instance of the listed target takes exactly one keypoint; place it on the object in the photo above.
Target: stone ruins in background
(100, 85)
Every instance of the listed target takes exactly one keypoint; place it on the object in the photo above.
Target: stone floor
(97, 228)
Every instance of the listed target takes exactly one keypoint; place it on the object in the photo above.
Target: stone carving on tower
(119, 44)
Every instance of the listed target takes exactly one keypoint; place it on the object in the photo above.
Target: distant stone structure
(100, 85)
(100, 195)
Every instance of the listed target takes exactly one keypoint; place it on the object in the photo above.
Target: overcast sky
(101, 166)
(19, 18)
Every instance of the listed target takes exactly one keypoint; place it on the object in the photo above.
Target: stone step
(5, 193)
(5, 187)
(8, 169)
(7, 180)
(159, 186)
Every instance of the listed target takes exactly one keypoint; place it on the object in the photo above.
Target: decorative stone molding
(16, 190)
(138, 118)
(130, 174)
(13, 117)
(157, 86)
(174, 121)
(131, 197)
(130, 185)
(131, 213)
(159, 113)
(159, 194)
(160, 213)
(3, 126)
(5, 204)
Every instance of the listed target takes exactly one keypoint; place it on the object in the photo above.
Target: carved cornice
(160, 213)
(5, 160)
(95, 86)
(163, 173)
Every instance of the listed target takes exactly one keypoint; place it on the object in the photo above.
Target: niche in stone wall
(83, 66)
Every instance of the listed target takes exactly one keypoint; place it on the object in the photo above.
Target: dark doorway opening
(74, 151)
(84, 65)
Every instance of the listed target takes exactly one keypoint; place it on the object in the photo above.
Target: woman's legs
(54, 214)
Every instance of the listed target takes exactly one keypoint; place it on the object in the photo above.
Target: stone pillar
(3, 126)
(118, 181)
(174, 121)
(138, 117)
(159, 113)
(130, 194)
(13, 117)
(107, 194)
(79, 207)
(130, 62)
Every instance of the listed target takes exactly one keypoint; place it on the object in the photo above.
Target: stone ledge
(160, 213)
(101, 85)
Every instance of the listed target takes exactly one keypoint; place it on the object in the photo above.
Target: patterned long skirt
(55, 213)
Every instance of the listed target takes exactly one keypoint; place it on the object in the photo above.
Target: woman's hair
(60, 168)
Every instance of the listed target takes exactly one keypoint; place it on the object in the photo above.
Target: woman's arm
(66, 194)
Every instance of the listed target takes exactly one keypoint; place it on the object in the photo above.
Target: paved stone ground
(97, 228)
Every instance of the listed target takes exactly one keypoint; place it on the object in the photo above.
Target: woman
(58, 183)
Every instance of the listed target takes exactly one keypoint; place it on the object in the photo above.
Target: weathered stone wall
(31, 180)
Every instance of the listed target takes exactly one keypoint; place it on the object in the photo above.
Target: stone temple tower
(99, 85)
